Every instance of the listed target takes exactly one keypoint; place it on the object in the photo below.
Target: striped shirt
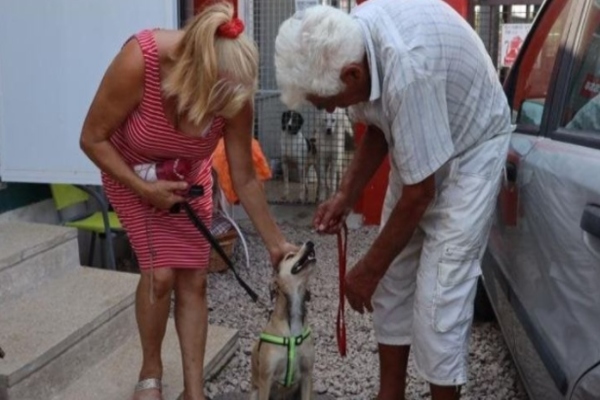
(434, 90)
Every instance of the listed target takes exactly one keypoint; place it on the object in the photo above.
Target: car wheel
(483, 308)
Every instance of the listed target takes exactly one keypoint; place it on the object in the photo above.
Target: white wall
(53, 55)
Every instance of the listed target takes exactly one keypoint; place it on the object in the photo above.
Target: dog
(335, 137)
(296, 150)
(283, 357)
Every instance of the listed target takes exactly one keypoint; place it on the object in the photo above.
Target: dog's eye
(287, 257)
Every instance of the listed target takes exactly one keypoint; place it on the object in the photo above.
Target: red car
(541, 272)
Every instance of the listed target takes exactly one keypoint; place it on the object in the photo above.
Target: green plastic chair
(99, 223)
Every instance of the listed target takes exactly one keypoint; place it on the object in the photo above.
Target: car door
(543, 241)
(570, 163)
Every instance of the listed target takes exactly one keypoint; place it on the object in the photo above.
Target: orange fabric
(261, 167)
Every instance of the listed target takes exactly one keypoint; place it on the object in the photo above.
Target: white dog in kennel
(335, 149)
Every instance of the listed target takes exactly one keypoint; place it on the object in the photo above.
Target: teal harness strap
(291, 343)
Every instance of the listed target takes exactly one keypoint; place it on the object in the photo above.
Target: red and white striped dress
(161, 239)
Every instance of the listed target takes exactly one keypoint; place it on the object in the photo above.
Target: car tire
(483, 310)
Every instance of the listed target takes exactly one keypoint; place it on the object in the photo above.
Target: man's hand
(360, 286)
(331, 214)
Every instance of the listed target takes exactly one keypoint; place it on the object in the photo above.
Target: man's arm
(400, 226)
(422, 144)
(368, 157)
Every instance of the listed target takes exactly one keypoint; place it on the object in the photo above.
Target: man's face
(357, 89)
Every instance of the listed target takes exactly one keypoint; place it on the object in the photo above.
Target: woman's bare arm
(119, 93)
(238, 144)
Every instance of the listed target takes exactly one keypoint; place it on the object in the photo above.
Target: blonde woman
(172, 95)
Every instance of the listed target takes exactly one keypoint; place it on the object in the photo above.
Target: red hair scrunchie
(231, 29)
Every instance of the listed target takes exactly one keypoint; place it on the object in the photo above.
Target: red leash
(341, 321)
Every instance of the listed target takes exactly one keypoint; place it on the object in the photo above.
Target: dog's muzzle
(307, 258)
(291, 130)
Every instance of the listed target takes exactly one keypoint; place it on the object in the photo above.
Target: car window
(537, 63)
(582, 111)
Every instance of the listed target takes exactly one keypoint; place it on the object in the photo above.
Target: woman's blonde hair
(212, 75)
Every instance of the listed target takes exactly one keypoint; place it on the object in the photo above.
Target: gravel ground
(492, 375)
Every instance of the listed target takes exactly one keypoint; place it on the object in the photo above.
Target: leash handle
(215, 243)
(342, 239)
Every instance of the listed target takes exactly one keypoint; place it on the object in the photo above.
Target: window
(582, 111)
(535, 68)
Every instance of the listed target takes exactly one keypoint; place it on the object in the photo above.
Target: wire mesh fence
(308, 153)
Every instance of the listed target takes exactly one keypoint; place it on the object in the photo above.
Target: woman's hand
(331, 214)
(278, 253)
(163, 194)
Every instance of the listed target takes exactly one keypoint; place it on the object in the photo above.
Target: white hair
(311, 49)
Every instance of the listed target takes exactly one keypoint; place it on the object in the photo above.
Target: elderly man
(420, 78)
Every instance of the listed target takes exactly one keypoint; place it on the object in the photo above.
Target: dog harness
(291, 343)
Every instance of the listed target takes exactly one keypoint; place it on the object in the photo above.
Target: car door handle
(590, 220)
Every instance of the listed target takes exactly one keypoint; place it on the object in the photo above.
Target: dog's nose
(328, 131)
(310, 245)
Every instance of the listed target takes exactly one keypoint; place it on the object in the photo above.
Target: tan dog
(283, 357)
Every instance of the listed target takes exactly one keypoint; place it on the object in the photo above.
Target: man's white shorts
(426, 297)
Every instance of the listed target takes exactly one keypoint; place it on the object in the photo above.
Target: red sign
(513, 50)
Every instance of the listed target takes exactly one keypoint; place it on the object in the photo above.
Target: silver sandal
(147, 384)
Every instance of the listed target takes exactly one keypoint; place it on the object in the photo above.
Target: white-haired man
(420, 78)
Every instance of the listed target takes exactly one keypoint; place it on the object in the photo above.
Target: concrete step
(30, 254)
(62, 328)
(115, 377)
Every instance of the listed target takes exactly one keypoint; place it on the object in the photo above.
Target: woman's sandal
(150, 384)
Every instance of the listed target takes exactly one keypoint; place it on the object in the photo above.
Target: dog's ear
(300, 120)
(284, 119)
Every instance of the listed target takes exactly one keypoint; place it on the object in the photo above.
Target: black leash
(215, 244)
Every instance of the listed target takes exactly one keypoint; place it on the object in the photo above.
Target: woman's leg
(191, 321)
(152, 321)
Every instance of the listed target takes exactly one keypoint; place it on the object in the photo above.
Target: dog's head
(295, 269)
(328, 122)
(291, 122)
